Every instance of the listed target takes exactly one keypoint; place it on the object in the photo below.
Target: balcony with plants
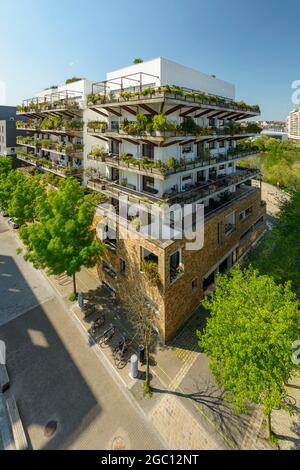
(51, 146)
(51, 124)
(189, 97)
(171, 165)
(52, 101)
(159, 126)
(59, 167)
(203, 189)
(98, 154)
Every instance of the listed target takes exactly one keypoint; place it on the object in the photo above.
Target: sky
(252, 44)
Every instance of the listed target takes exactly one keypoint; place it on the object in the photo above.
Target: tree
(9, 180)
(142, 317)
(278, 254)
(6, 165)
(24, 198)
(249, 338)
(62, 239)
(138, 61)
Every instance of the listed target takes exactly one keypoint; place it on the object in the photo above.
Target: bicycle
(120, 351)
(98, 323)
(107, 336)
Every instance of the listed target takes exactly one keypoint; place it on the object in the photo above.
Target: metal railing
(157, 95)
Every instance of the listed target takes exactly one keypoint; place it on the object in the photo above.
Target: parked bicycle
(98, 323)
(107, 336)
(120, 352)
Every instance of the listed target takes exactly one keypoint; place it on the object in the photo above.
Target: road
(55, 375)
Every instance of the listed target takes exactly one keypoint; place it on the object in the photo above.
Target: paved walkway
(56, 375)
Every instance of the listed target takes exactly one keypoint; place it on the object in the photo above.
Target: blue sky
(252, 44)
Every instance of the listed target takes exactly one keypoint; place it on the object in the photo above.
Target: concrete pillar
(134, 366)
(80, 300)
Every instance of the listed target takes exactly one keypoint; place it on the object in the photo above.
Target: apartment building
(54, 126)
(158, 134)
(293, 125)
(7, 130)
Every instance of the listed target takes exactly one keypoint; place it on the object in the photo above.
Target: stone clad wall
(180, 301)
(176, 301)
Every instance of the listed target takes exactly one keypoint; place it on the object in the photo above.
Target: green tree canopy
(249, 338)
(24, 198)
(62, 240)
(5, 166)
(278, 254)
(8, 183)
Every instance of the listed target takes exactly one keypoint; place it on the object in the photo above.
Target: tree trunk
(74, 284)
(269, 427)
(147, 351)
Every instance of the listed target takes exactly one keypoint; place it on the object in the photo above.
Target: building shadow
(45, 379)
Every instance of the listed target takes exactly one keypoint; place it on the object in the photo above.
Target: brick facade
(177, 301)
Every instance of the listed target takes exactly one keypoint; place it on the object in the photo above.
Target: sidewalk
(174, 368)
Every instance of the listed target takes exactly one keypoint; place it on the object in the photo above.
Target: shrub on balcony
(46, 143)
(141, 122)
(177, 90)
(94, 98)
(189, 126)
(73, 80)
(201, 95)
(59, 146)
(147, 91)
(171, 163)
(190, 94)
(98, 152)
(150, 268)
(160, 122)
(96, 125)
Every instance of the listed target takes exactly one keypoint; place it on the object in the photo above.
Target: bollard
(80, 300)
(134, 366)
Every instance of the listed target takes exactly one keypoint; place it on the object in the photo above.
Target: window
(176, 268)
(246, 234)
(194, 285)
(229, 223)
(208, 281)
(258, 222)
(108, 269)
(221, 144)
(246, 213)
(211, 145)
(148, 185)
(122, 267)
(148, 151)
(187, 148)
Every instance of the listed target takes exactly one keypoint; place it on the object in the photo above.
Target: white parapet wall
(166, 72)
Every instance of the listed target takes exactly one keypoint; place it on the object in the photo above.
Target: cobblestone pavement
(189, 434)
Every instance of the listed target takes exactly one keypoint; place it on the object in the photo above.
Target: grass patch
(147, 391)
(73, 297)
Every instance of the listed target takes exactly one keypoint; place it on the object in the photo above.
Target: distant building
(276, 134)
(8, 130)
(276, 126)
(293, 125)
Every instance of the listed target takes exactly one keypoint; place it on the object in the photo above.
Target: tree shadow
(211, 400)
